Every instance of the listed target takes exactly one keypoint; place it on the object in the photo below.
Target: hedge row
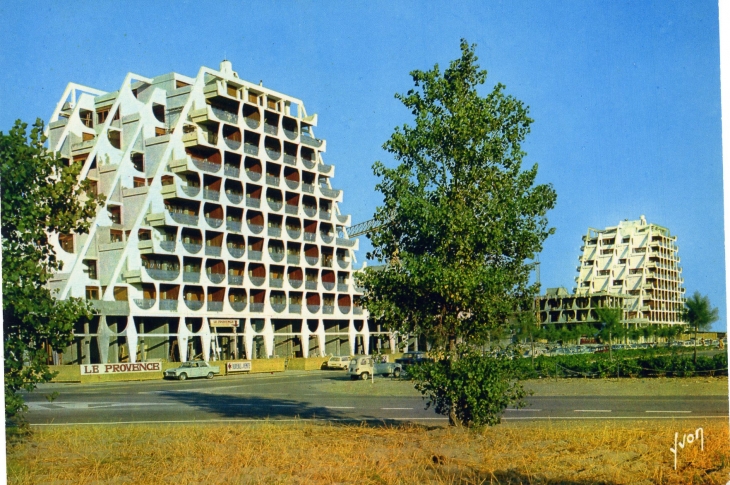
(623, 364)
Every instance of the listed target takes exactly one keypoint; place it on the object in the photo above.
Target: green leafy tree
(41, 197)
(461, 219)
(699, 314)
(611, 319)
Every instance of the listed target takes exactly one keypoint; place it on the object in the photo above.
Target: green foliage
(472, 390)
(41, 197)
(460, 217)
(699, 313)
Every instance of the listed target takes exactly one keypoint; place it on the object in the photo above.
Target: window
(115, 214)
(622, 261)
(67, 242)
(92, 292)
(115, 236)
(139, 182)
(90, 268)
(102, 114)
(120, 293)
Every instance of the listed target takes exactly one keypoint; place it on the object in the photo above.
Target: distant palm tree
(699, 314)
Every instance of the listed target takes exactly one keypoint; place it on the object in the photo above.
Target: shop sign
(215, 322)
(238, 367)
(96, 369)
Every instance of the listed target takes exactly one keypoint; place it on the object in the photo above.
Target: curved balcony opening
(215, 269)
(115, 138)
(251, 115)
(160, 267)
(342, 281)
(193, 296)
(293, 227)
(255, 248)
(253, 196)
(310, 230)
(257, 301)
(271, 123)
(311, 279)
(205, 158)
(312, 325)
(328, 279)
(328, 304)
(327, 257)
(295, 277)
(291, 177)
(277, 299)
(290, 153)
(257, 274)
(192, 240)
(325, 209)
(276, 276)
(290, 127)
(137, 161)
(276, 250)
(344, 303)
(190, 184)
(307, 182)
(251, 143)
(216, 296)
(274, 199)
(234, 191)
(273, 171)
(255, 221)
(158, 111)
(191, 270)
(292, 203)
(253, 168)
(236, 272)
(213, 215)
(236, 245)
(213, 243)
(311, 254)
(313, 302)
(309, 206)
(211, 187)
(357, 306)
(149, 296)
(295, 302)
(225, 109)
(183, 211)
(237, 298)
(234, 219)
(326, 232)
(272, 147)
(169, 295)
(231, 164)
(293, 251)
(308, 138)
(274, 229)
(232, 137)
(309, 158)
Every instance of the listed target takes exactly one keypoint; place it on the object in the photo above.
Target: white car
(338, 362)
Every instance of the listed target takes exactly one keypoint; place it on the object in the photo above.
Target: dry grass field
(299, 452)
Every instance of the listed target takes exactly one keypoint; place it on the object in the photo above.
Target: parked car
(338, 362)
(364, 366)
(410, 358)
(194, 368)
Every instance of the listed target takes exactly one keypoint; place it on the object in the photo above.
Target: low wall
(312, 363)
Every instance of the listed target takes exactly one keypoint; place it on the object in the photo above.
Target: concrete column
(352, 333)
(142, 345)
(248, 339)
(113, 328)
(183, 334)
(268, 338)
(304, 336)
(234, 344)
(393, 342)
(321, 338)
(205, 339)
(131, 333)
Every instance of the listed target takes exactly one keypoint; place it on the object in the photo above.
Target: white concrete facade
(217, 207)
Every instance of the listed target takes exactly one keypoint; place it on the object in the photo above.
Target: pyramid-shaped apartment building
(219, 231)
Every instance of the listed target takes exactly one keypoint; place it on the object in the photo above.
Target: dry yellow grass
(589, 452)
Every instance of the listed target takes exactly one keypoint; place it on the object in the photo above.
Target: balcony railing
(231, 171)
(342, 263)
(326, 237)
(310, 141)
(251, 123)
(213, 222)
(328, 285)
(278, 307)
(272, 180)
(211, 194)
(192, 247)
(295, 283)
(292, 135)
(292, 259)
(344, 309)
(275, 205)
(216, 278)
(324, 168)
(310, 285)
(234, 226)
(295, 308)
(168, 245)
(310, 236)
(276, 282)
(332, 194)
(257, 307)
(255, 255)
(180, 218)
(253, 202)
(238, 306)
(270, 129)
(194, 304)
(324, 215)
(250, 149)
(277, 256)
(168, 305)
(312, 308)
(206, 166)
(274, 231)
(290, 159)
(236, 252)
(311, 259)
(255, 228)
(224, 115)
(234, 198)
(235, 279)
(291, 209)
(328, 309)
(294, 233)
(212, 250)
(253, 176)
(144, 303)
(191, 191)
(308, 188)
(348, 243)
(232, 144)
(292, 184)
(309, 210)
(191, 276)
(356, 310)
(215, 306)
(309, 163)
(162, 274)
(326, 262)
(342, 287)
(341, 219)
(257, 280)
(273, 154)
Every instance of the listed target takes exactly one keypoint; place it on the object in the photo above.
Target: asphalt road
(297, 395)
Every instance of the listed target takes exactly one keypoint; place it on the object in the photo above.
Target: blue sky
(625, 95)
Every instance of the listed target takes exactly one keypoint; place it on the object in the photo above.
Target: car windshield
(186, 364)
